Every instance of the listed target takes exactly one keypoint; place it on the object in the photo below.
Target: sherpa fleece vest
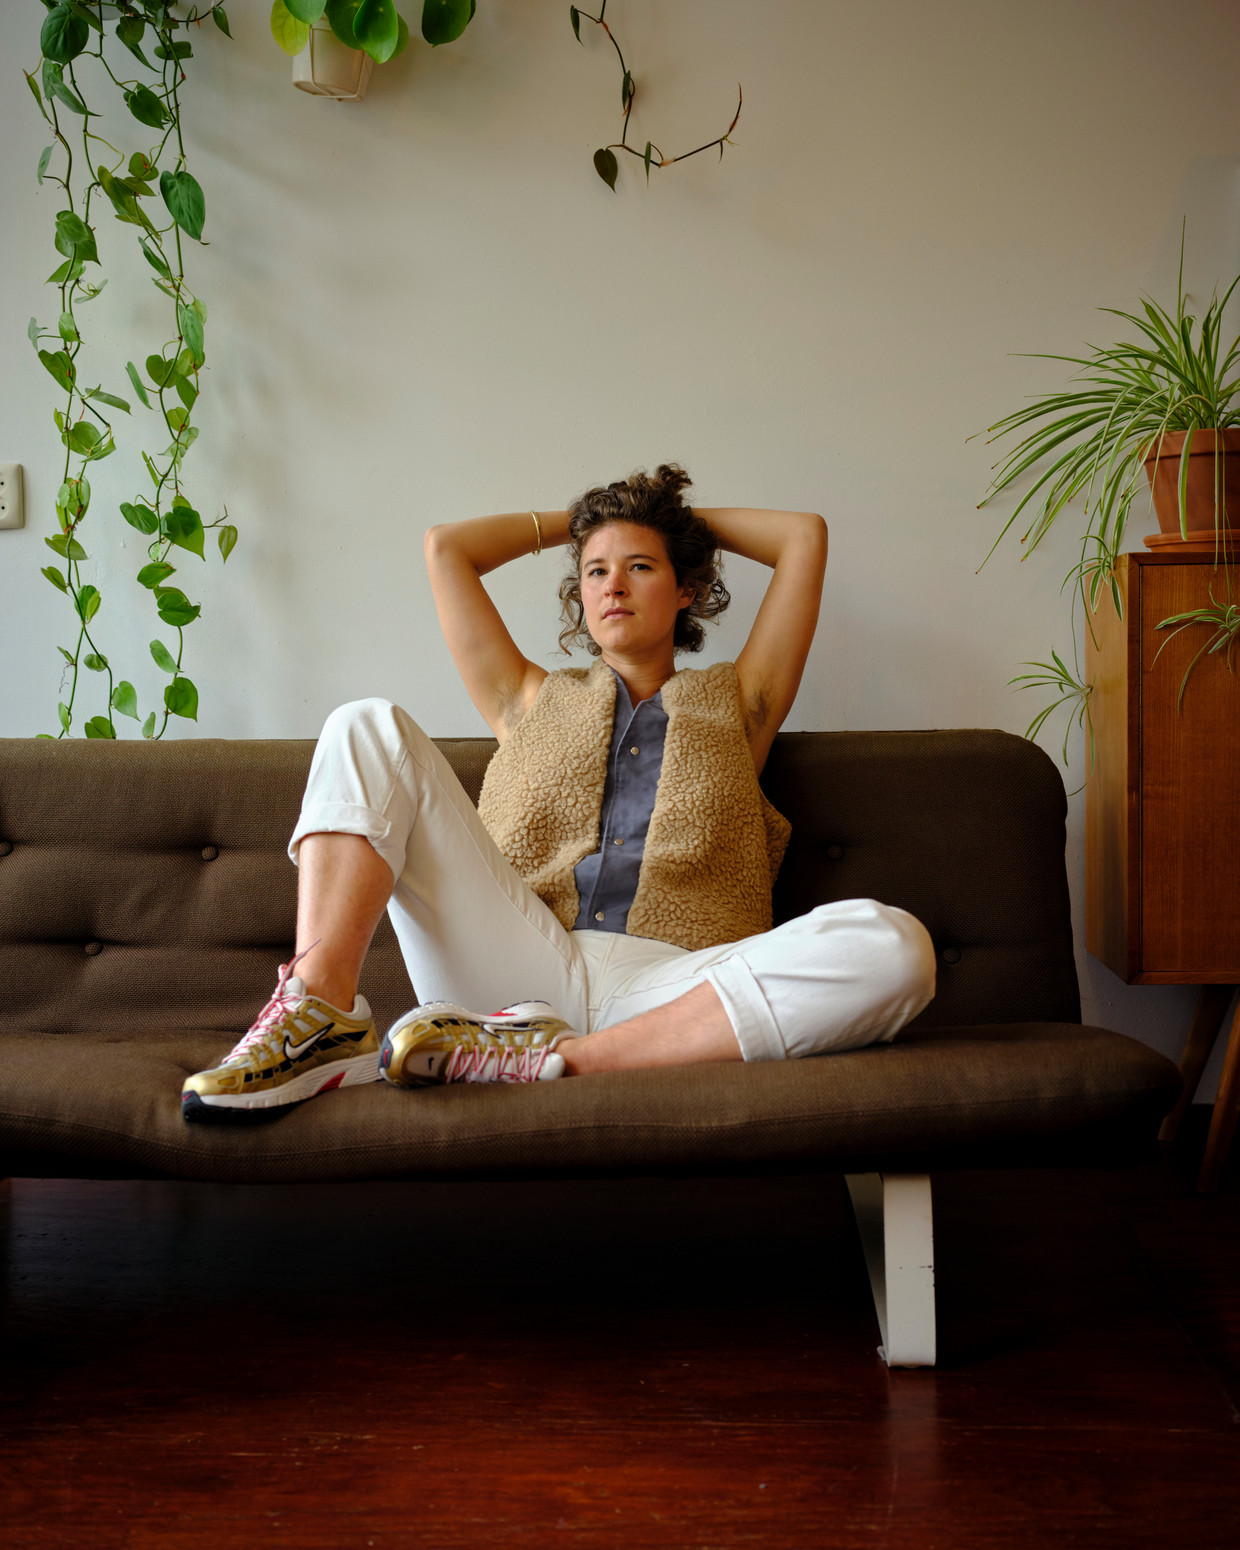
(714, 844)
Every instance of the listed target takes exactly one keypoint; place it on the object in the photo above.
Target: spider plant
(1224, 617)
(1090, 442)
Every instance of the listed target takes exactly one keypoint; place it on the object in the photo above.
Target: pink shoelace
(281, 1003)
(510, 1065)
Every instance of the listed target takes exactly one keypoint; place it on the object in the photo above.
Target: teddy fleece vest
(714, 844)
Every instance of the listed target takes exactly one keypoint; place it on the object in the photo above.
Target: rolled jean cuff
(348, 818)
(747, 1009)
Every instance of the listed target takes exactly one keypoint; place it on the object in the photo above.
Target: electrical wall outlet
(12, 509)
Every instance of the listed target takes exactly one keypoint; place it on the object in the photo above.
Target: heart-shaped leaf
(191, 331)
(44, 158)
(163, 657)
(340, 15)
(185, 200)
(181, 698)
(60, 366)
(174, 607)
(183, 526)
(227, 540)
(140, 516)
(88, 601)
(146, 107)
(307, 11)
(221, 21)
(99, 726)
(377, 29)
(288, 31)
(125, 699)
(56, 577)
(137, 384)
(155, 574)
(606, 166)
(148, 726)
(63, 35)
(443, 21)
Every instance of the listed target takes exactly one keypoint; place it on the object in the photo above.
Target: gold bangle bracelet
(538, 532)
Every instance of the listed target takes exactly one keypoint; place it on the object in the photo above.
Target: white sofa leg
(896, 1222)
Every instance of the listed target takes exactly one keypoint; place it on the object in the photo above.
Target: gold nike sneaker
(298, 1048)
(442, 1042)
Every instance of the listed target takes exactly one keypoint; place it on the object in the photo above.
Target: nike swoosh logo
(299, 1051)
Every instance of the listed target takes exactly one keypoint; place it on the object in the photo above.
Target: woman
(618, 869)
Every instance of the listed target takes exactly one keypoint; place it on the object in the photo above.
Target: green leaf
(74, 238)
(46, 155)
(68, 328)
(186, 363)
(109, 398)
(174, 51)
(82, 437)
(626, 91)
(155, 261)
(227, 540)
(68, 656)
(181, 698)
(163, 657)
(141, 167)
(99, 726)
(177, 418)
(146, 107)
(97, 664)
(66, 546)
(574, 16)
(307, 11)
(186, 391)
(62, 710)
(60, 366)
(56, 577)
(402, 37)
(33, 331)
(88, 601)
(155, 574)
(129, 30)
(183, 526)
(38, 96)
(89, 292)
(185, 201)
(377, 29)
(443, 21)
(606, 166)
(340, 15)
(63, 35)
(220, 20)
(69, 270)
(148, 726)
(137, 384)
(54, 86)
(140, 516)
(291, 34)
(160, 371)
(190, 325)
(646, 159)
(125, 699)
(174, 607)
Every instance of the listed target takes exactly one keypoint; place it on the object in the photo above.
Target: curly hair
(653, 501)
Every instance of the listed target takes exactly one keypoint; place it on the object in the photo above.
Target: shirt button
(617, 842)
(633, 750)
(599, 916)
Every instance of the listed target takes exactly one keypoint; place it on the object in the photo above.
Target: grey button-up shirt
(607, 880)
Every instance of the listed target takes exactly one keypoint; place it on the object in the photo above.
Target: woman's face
(629, 589)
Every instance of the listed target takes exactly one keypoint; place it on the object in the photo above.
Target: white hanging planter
(327, 68)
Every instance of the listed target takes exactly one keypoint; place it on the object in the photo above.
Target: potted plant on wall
(1160, 410)
(335, 44)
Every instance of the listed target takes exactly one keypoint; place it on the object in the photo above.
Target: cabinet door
(1190, 785)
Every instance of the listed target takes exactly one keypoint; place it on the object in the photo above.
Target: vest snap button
(599, 916)
(617, 842)
(209, 852)
(93, 949)
(633, 750)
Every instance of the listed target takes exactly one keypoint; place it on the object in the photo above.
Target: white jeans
(470, 931)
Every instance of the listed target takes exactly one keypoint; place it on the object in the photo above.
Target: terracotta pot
(328, 68)
(1162, 465)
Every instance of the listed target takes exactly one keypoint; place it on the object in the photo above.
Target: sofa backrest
(145, 886)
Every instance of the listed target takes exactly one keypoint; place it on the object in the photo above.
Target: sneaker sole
(395, 1068)
(353, 1072)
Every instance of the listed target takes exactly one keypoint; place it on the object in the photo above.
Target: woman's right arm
(501, 682)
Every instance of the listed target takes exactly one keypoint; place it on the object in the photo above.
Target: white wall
(428, 306)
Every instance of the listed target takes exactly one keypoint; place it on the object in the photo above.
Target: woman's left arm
(794, 545)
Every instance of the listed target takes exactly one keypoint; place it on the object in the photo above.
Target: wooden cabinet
(1163, 805)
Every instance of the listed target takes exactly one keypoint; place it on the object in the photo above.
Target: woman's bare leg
(343, 890)
(694, 1027)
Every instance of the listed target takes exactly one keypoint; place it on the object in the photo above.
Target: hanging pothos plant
(84, 46)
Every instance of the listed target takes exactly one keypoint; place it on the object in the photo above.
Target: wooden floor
(630, 1364)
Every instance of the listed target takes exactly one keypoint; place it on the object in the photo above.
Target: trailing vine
(605, 163)
(73, 32)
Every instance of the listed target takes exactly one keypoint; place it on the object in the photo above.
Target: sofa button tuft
(951, 955)
(209, 852)
(93, 949)
(6, 847)
(835, 852)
